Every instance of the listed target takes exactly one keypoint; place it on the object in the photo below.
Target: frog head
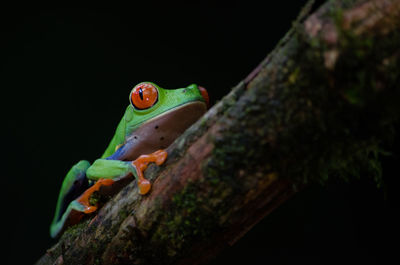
(154, 118)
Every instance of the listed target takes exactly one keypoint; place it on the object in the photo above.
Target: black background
(65, 79)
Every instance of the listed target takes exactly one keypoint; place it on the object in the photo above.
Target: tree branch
(319, 106)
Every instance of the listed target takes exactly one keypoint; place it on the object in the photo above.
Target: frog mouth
(159, 132)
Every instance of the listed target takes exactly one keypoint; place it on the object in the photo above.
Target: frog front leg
(140, 165)
(116, 169)
(105, 172)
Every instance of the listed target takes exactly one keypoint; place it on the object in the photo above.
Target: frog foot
(85, 197)
(140, 165)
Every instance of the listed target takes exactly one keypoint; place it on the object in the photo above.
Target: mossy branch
(320, 106)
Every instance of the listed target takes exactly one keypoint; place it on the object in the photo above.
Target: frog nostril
(156, 127)
(161, 138)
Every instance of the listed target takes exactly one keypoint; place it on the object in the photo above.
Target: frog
(153, 119)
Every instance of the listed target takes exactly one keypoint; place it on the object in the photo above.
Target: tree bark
(321, 105)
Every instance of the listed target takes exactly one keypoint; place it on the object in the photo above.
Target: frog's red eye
(143, 96)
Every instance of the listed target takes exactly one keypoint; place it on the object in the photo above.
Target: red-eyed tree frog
(154, 118)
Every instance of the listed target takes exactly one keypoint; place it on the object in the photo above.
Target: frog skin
(154, 118)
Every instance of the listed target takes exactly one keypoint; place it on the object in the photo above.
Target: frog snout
(204, 94)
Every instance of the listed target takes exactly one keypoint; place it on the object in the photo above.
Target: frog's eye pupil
(141, 93)
(144, 96)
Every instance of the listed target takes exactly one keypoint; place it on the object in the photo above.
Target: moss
(94, 198)
(74, 231)
(123, 214)
(192, 216)
(94, 248)
(346, 134)
(308, 122)
(188, 219)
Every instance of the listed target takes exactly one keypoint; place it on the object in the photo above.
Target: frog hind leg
(75, 182)
(77, 208)
(72, 215)
(74, 199)
(84, 199)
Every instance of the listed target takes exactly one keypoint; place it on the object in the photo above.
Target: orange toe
(144, 186)
(141, 164)
(85, 197)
